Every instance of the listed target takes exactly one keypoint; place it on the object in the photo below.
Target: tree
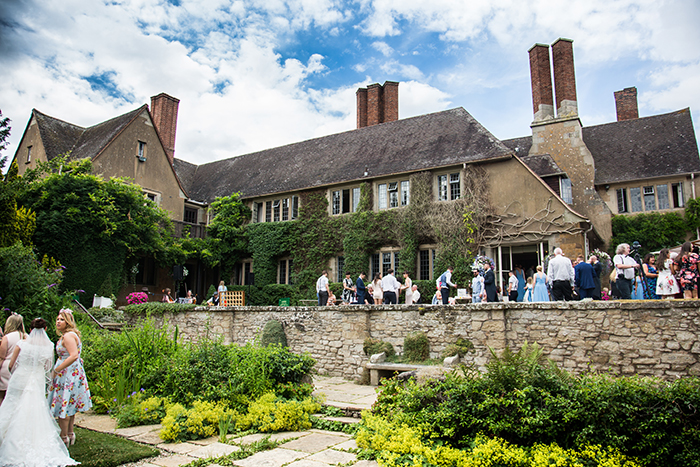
(654, 231)
(226, 239)
(4, 134)
(96, 228)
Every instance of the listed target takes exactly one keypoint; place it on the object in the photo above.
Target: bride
(29, 436)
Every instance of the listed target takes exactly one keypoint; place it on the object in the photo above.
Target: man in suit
(597, 271)
(490, 284)
(584, 278)
(361, 288)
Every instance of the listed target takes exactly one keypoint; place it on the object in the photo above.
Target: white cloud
(383, 47)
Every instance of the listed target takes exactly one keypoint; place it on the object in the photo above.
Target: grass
(94, 449)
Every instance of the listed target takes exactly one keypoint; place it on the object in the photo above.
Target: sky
(256, 74)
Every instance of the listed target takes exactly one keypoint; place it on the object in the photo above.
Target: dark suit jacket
(584, 276)
(490, 286)
(361, 291)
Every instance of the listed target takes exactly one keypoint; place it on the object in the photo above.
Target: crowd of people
(384, 289)
(39, 398)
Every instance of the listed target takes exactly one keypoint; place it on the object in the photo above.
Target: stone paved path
(312, 448)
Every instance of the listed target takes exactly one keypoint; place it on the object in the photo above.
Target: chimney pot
(564, 77)
(164, 114)
(541, 77)
(377, 104)
(626, 104)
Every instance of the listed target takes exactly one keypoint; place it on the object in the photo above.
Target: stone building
(557, 187)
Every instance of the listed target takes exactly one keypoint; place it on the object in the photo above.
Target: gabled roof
(185, 172)
(643, 148)
(419, 143)
(60, 137)
(543, 165)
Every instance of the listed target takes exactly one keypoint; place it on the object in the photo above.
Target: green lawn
(93, 449)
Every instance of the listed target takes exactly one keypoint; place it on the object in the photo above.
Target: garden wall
(658, 338)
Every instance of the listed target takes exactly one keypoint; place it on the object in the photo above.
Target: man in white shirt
(512, 287)
(625, 266)
(561, 275)
(322, 288)
(391, 287)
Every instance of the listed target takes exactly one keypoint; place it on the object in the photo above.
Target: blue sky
(257, 74)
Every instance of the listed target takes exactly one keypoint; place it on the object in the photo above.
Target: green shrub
(273, 333)
(158, 308)
(268, 413)
(416, 347)
(526, 400)
(375, 346)
(462, 347)
(200, 421)
(141, 410)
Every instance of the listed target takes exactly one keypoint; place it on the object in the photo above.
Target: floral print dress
(69, 390)
(689, 271)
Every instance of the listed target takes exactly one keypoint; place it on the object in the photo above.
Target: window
(355, 198)
(375, 264)
(405, 193)
(151, 196)
(284, 272)
(565, 190)
(397, 264)
(390, 197)
(276, 210)
(662, 195)
(383, 261)
(190, 215)
(386, 262)
(285, 209)
(677, 193)
(449, 187)
(146, 274)
(341, 201)
(649, 199)
(622, 200)
(257, 215)
(454, 186)
(382, 196)
(340, 269)
(295, 207)
(268, 211)
(247, 274)
(426, 264)
(29, 154)
(636, 199)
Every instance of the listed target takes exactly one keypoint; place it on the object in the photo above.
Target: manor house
(559, 186)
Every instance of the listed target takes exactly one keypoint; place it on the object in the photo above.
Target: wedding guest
(541, 294)
(651, 275)
(348, 288)
(377, 292)
(666, 284)
(14, 332)
(408, 287)
(598, 270)
(625, 266)
(687, 266)
(69, 391)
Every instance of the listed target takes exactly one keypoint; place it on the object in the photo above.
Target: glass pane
(424, 266)
(393, 199)
(375, 264)
(341, 268)
(283, 272)
(285, 209)
(405, 195)
(505, 259)
(268, 211)
(621, 200)
(565, 190)
(397, 263)
(454, 187)
(662, 194)
(382, 196)
(386, 262)
(336, 202)
(295, 207)
(355, 199)
(276, 210)
(636, 199)
(649, 202)
(442, 187)
(346, 201)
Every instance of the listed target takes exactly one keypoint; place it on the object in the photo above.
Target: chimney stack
(626, 104)
(377, 104)
(541, 77)
(164, 113)
(564, 78)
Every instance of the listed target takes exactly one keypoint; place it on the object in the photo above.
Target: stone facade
(651, 338)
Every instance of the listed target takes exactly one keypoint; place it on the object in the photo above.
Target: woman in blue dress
(520, 274)
(651, 274)
(540, 292)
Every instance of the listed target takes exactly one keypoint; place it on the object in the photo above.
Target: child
(528, 290)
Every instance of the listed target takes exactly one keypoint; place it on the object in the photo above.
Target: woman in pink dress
(14, 332)
(687, 265)
(69, 391)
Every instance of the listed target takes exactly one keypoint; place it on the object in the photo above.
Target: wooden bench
(388, 370)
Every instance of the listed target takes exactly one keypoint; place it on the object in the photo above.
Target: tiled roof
(60, 137)
(185, 172)
(419, 143)
(643, 148)
(542, 164)
(648, 147)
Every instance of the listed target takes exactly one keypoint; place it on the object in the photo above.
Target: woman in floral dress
(69, 389)
(687, 264)
(650, 275)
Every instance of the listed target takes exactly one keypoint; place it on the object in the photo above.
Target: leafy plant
(416, 347)
(375, 346)
(273, 333)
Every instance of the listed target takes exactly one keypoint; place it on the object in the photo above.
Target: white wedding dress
(29, 436)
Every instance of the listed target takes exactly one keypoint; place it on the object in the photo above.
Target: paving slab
(172, 461)
(346, 420)
(346, 446)
(315, 442)
(331, 456)
(137, 430)
(205, 441)
(178, 448)
(92, 421)
(213, 450)
(281, 436)
(152, 438)
(307, 463)
(366, 464)
(274, 458)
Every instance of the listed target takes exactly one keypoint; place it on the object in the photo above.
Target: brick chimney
(541, 77)
(164, 114)
(377, 104)
(626, 104)
(564, 78)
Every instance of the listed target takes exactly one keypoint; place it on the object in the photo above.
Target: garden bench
(387, 370)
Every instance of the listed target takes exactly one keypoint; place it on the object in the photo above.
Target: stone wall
(658, 338)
